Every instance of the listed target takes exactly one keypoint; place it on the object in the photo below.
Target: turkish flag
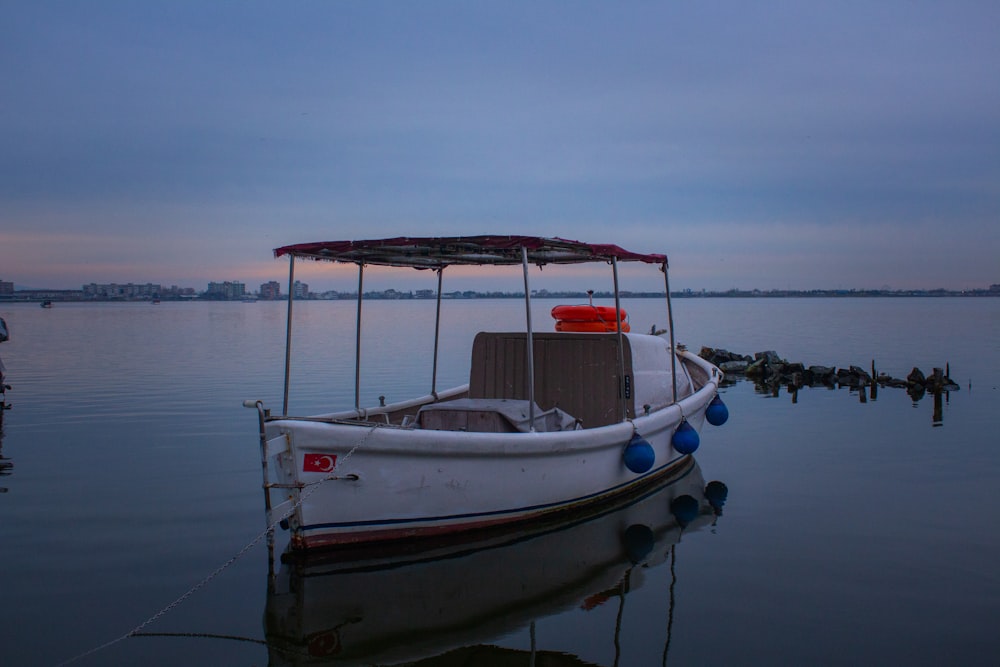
(319, 462)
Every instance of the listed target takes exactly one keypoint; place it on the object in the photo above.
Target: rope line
(303, 496)
(201, 635)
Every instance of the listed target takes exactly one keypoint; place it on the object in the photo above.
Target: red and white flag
(319, 462)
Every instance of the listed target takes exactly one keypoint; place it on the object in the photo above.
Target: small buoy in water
(716, 493)
(716, 413)
(638, 454)
(638, 542)
(685, 509)
(685, 439)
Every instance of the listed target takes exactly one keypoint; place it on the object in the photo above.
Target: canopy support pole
(670, 326)
(288, 332)
(623, 383)
(357, 340)
(529, 341)
(437, 335)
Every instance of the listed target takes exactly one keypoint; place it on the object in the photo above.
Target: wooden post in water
(874, 381)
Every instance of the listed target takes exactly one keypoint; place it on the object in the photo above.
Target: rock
(770, 357)
(719, 356)
(733, 366)
(861, 374)
(916, 376)
(756, 369)
(795, 367)
(848, 380)
(822, 372)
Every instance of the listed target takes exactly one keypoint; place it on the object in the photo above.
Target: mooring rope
(201, 635)
(303, 496)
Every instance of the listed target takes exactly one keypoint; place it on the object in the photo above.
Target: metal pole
(529, 340)
(670, 326)
(437, 336)
(288, 332)
(534, 646)
(357, 340)
(621, 341)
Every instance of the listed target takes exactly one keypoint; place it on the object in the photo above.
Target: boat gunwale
(389, 438)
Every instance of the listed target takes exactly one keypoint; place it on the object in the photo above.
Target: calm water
(854, 532)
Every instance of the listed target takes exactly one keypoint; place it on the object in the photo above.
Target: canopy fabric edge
(438, 252)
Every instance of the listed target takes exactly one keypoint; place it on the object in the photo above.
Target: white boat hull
(342, 482)
(392, 607)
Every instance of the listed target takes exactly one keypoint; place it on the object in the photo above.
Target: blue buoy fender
(638, 540)
(639, 456)
(716, 494)
(716, 413)
(685, 509)
(685, 439)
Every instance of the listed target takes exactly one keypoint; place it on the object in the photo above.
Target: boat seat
(484, 415)
(574, 372)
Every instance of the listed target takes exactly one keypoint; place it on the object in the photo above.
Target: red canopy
(437, 252)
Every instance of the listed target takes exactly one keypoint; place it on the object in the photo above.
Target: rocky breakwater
(769, 371)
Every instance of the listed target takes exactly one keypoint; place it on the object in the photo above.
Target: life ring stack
(589, 318)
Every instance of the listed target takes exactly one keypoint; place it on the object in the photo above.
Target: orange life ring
(586, 313)
(593, 327)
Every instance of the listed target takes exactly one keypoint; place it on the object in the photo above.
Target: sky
(760, 145)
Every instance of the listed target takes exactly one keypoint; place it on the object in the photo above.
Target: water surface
(854, 532)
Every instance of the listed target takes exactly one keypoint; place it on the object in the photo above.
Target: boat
(46, 304)
(382, 606)
(548, 422)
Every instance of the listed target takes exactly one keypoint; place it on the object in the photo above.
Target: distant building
(226, 291)
(176, 291)
(49, 295)
(300, 290)
(6, 288)
(270, 290)
(128, 291)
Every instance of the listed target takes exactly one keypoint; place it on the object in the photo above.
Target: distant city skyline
(388, 284)
(234, 290)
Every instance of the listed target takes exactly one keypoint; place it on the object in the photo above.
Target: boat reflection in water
(444, 603)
